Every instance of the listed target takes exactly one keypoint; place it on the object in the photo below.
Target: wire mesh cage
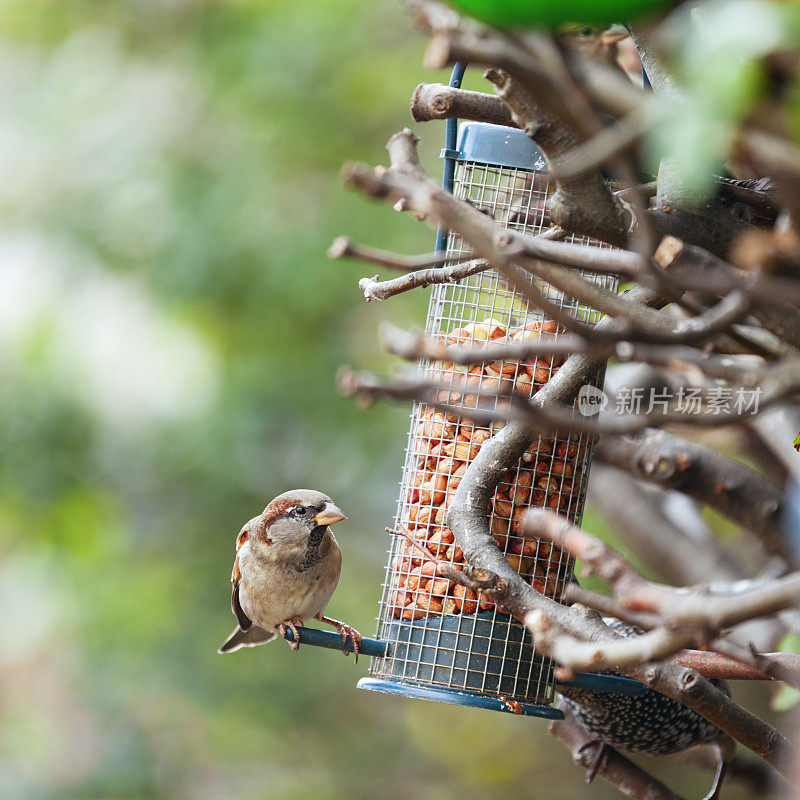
(447, 643)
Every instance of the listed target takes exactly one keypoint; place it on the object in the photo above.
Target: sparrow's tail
(250, 638)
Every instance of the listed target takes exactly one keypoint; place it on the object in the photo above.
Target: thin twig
(344, 247)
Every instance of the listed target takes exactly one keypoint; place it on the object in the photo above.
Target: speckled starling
(650, 723)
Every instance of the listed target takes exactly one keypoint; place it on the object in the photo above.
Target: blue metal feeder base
(482, 657)
(456, 698)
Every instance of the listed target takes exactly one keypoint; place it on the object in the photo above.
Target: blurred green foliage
(715, 54)
(170, 329)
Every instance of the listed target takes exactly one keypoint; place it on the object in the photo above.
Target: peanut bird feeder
(441, 641)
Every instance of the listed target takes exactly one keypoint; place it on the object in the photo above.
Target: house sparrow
(612, 47)
(286, 567)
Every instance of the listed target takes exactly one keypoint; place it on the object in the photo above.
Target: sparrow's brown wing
(245, 623)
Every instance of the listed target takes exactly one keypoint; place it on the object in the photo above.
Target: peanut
(562, 468)
(412, 612)
(456, 337)
(503, 506)
(530, 454)
(398, 602)
(470, 435)
(465, 599)
(423, 516)
(413, 579)
(567, 450)
(436, 427)
(456, 476)
(527, 548)
(447, 466)
(550, 586)
(429, 604)
(540, 373)
(438, 586)
(454, 554)
(499, 527)
(521, 490)
(476, 332)
(485, 603)
(428, 569)
(524, 384)
(433, 490)
(505, 368)
(530, 327)
(438, 542)
(515, 561)
(403, 566)
(445, 445)
(449, 606)
(461, 450)
(496, 330)
(410, 554)
(435, 452)
(547, 483)
(490, 386)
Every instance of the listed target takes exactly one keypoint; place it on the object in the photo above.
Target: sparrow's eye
(299, 511)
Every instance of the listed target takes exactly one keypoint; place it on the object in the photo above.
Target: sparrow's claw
(348, 632)
(291, 624)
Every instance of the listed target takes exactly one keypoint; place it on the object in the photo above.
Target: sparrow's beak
(329, 515)
(614, 34)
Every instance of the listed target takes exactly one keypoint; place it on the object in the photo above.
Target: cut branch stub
(434, 101)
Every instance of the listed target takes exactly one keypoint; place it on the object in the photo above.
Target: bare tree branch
(554, 96)
(600, 149)
(685, 617)
(375, 289)
(638, 518)
(615, 769)
(538, 67)
(729, 487)
(344, 247)
(417, 346)
(574, 195)
(432, 101)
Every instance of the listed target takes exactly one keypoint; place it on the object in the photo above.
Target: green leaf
(531, 13)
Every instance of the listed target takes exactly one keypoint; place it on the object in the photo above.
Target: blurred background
(170, 329)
